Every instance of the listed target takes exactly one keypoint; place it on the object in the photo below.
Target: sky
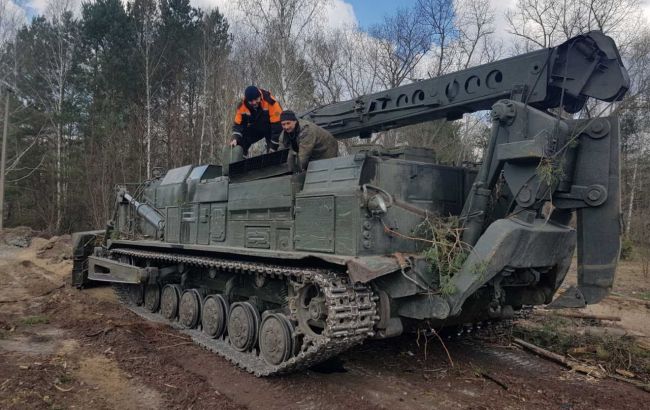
(364, 12)
(338, 13)
(369, 12)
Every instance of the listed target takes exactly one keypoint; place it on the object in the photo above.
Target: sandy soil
(64, 348)
(630, 297)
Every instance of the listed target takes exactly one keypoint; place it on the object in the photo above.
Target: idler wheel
(169, 301)
(311, 310)
(276, 338)
(189, 311)
(214, 315)
(152, 297)
(136, 294)
(243, 322)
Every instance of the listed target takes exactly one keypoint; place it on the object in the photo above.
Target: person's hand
(233, 143)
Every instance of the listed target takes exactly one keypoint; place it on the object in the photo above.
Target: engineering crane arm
(587, 65)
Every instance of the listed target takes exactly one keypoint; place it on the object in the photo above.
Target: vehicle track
(350, 319)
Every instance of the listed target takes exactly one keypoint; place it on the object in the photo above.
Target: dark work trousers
(251, 136)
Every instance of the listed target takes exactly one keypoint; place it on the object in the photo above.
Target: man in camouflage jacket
(307, 139)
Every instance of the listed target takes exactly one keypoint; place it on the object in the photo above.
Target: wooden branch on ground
(568, 363)
(490, 377)
(623, 298)
(577, 315)
(99, 332)
(642, 386)
(59, 388)
(175, 345)
(136, 358)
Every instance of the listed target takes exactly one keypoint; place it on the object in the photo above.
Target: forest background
(101, 93)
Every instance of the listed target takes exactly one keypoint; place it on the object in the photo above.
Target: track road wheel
(276, 338)
(169, 301)
(214, 315)
(243, 323)
(189, 311)
(152, 297)
(136, 294)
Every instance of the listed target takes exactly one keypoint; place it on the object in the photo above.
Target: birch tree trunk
(147, 75)
(3, 155)
(204, 96)
(59, 138)
(630, 206)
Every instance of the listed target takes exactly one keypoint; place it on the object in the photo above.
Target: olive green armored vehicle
(277, 270)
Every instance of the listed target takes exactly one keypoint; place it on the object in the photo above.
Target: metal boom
(585, 66)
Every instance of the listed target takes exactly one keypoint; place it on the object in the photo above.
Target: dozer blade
(571, 298)
(599, 245)
(599, 227)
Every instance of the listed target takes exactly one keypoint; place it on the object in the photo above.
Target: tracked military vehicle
(277, 269)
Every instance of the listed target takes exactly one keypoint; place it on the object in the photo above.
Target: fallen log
(608, 331)
(568, 363)
(577, 315)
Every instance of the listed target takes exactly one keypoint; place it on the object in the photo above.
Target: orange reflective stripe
(274, 112)
(274, 109)
(241, 110)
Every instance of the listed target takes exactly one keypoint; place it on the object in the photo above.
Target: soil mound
(20, 236)
(56, 249)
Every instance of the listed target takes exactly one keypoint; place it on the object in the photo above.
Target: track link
(351, 308)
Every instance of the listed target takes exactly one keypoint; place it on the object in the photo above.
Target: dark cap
(288, 115)
(251, 92)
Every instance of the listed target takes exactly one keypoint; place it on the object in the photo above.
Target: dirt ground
(630, 297)
(64, 348)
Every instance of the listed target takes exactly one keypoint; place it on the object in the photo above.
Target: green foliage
(445, 250)
(549, 171)
(480, 269)
(35, 320)
(447, 286)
